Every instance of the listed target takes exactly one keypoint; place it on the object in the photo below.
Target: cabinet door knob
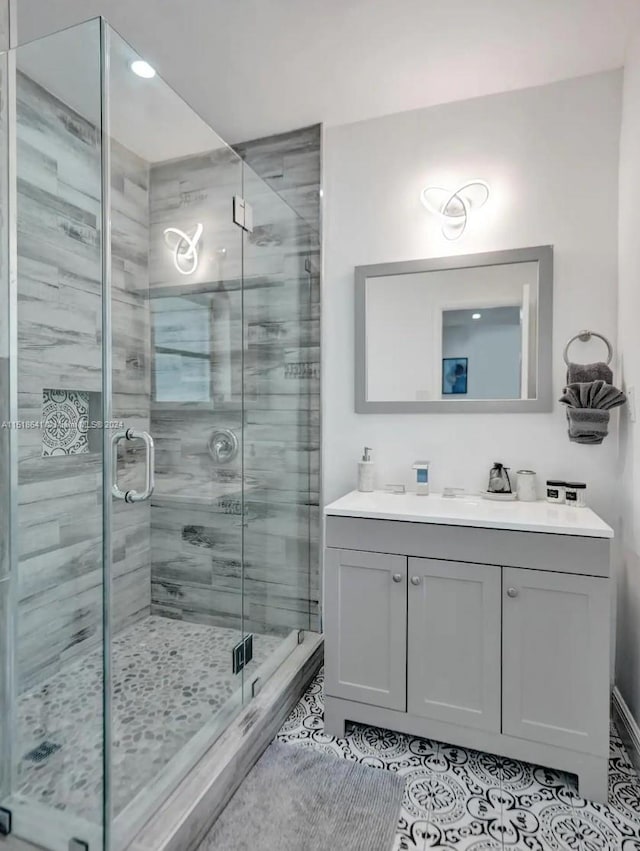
(397, 577)
(416, 580)
(512, 592)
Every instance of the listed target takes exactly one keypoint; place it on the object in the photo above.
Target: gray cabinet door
(366, 627)
(453, 659)
(556, 659)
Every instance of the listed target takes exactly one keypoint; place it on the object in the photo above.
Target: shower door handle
(150, 482)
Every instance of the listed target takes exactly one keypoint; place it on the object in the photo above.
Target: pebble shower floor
(463, 800)
(170, 678)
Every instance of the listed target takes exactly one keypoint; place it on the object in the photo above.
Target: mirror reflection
(453, 334)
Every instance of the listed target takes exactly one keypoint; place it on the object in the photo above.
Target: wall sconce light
(453, 208)
(184, 247)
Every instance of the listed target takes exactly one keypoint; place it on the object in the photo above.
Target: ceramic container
(527, 487)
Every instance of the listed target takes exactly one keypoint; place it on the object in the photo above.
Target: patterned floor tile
(410, 833)
(536, 802)
(470, 835)
(408, 756)
(458, 799)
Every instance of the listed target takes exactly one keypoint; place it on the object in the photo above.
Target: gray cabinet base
(591, 769)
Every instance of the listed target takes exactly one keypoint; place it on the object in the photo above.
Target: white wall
(628, 644)
(551, 157)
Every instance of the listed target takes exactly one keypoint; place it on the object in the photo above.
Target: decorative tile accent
(65, 422)
(464, 800)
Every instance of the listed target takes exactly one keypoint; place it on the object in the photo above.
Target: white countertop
(472, 510)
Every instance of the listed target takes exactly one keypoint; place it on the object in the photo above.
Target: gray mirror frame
(543, 254)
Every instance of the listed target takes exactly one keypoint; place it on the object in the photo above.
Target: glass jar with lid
(576, 494)
(555, 491)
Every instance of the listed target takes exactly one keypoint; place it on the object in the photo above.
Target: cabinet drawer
(366, 627)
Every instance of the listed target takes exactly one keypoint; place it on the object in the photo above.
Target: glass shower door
(176, 592)
(52, 590)
(158, 470)
(6, 620)
(6, 662)
(280, 422)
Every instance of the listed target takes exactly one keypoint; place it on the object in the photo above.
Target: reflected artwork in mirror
(454, 376)
(466, 333)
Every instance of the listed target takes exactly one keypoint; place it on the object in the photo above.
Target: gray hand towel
(588, 405)
(579, 373)
(587, 425)
(593, 394)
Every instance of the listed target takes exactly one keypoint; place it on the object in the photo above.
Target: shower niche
(70, 421)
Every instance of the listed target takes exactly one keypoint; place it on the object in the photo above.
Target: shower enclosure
(159, 403)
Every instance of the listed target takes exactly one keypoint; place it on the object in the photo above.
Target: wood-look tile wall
(196, 518)
(290, 164)
(60, 343)
(180, 556)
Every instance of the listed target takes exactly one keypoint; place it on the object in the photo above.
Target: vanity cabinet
(494, 639)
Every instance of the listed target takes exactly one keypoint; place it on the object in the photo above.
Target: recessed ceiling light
(143, 69)
(476, 315)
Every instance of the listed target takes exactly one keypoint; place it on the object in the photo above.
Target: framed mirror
(470, 333)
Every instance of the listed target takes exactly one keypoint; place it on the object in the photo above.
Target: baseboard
(628, 727)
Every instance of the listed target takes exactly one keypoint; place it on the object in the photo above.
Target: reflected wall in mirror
(466, 333)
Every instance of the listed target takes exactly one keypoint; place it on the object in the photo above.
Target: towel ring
(584, 337)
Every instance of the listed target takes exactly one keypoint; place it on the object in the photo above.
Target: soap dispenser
(366, 472)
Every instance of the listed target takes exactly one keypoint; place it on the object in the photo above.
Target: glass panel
(196, 357)
(281, 421)
(56, 595)
(6, 702)
(176, 306)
